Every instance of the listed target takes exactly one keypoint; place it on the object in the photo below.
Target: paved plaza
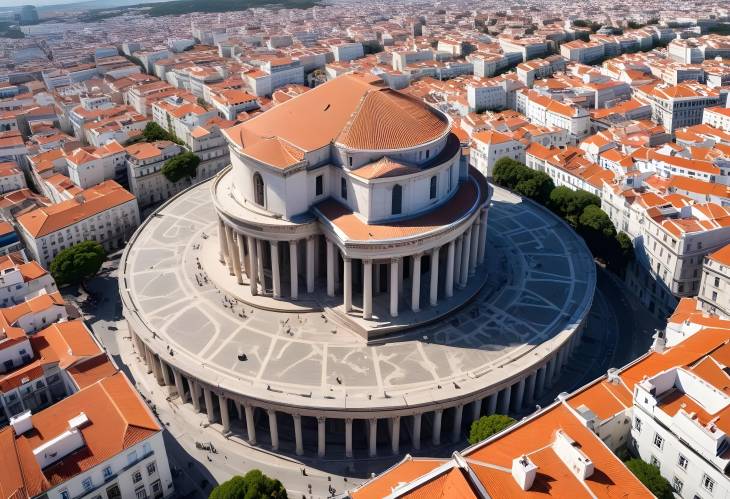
(540, 284)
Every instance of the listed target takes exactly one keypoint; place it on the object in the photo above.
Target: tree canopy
(153, 132)
(570, 204)
(77, 263)
(182, 166)
(526, 181)
(254, 485)
(486, 426)
(649, 475)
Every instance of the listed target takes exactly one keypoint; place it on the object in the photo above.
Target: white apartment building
(106, 213)
(714, 295)
(178, 114)
(35, 313)
(91, 166)
(583, 52)
(274, 74)
(488, 146)
(545, 111)
(486, 96)
(144, 170)
(679, 425)
(528, 72)
(344, 52)
(681, 105)
(718, 117)
(230, 103)
(527, 48)
(81, 447)
(487, 65)
(11, 177)
(20, 279)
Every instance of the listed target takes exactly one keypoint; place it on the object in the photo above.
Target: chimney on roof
(612, 376)
(524, 472)
(568, 450)
(660, 341)
(22, 422)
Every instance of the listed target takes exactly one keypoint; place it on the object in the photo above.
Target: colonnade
(388, 429)
(450, 265)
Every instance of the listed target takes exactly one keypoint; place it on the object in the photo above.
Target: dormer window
(397, 200)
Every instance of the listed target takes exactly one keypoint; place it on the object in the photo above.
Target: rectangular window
(658, 441)
(637, 425)
(151, 468)
(654, 461)
(708, 483)
(86, 484)
(343, 188)
(318, 185)
(682, 462)
(677, 485)
(140, 492)
(136, 477)
(107, 471)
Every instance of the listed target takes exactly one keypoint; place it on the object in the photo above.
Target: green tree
(183, 165)
(77, 263)
(508, 172)
(254, 485)
(537, 187)
(486, 426)
(651, 478)
(598, 232)
(152, 132)
(570, 204)
(201, 102)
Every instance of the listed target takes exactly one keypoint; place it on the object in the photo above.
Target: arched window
(258, 189)
(432, 191)
(396, 207)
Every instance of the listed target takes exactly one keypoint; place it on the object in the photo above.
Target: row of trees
(253, 485)
(581, 209)
(153, 132)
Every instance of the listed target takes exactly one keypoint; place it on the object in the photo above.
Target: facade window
(107, 471)
(258, 189)
(343, 188)
(397, 200)
(86, 484)
(708, 483)
(677, 485)
(637, 425)
(658, 441)
(654, 461)
(136, 477)
(432, 188)
(65, 494)
(151, 468)
(682, 462)
(140, 492)
(318, 185)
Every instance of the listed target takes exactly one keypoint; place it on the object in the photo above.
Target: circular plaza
(353, 288)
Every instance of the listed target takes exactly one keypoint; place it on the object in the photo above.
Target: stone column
(229, 249)
(310, 264)
(550, 377)
(225, 418)
(482, 237)
(260, 265)
(330, 269)
(476, 409)
(434, 277)
(394, 263)
(519, 394)
(348, 437)
(373, 437)
(540, 382)
(465, 250)
(298, 434)
(222, 247)
(436, 437)
(253, 276)
(457, 260)
(250, 424)
(273, 429)
(367, 289)
(456, 430)
(165, 373)
(376, 279)
(209, 409)
(506, 396)
(179, 385)
(530, 393)
(417, 431)
(492, 404)
(474, 248)
(416, 282)
(194, 394)
(347, 284)
(293, 270)
(233, 251)
(395, 435)
(275, 276)
(449, 285)
(321, 436)
(244, 260)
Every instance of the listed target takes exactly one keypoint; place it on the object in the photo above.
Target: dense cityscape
(346, 249)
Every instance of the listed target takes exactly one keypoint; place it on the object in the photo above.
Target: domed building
(335, 290)
(348, 192)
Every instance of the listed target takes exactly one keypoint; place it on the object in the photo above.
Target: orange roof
(383, 168)
(97, 199)
(405, 471)
(722, 255)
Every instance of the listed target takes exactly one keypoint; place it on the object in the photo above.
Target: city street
(618, 331)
